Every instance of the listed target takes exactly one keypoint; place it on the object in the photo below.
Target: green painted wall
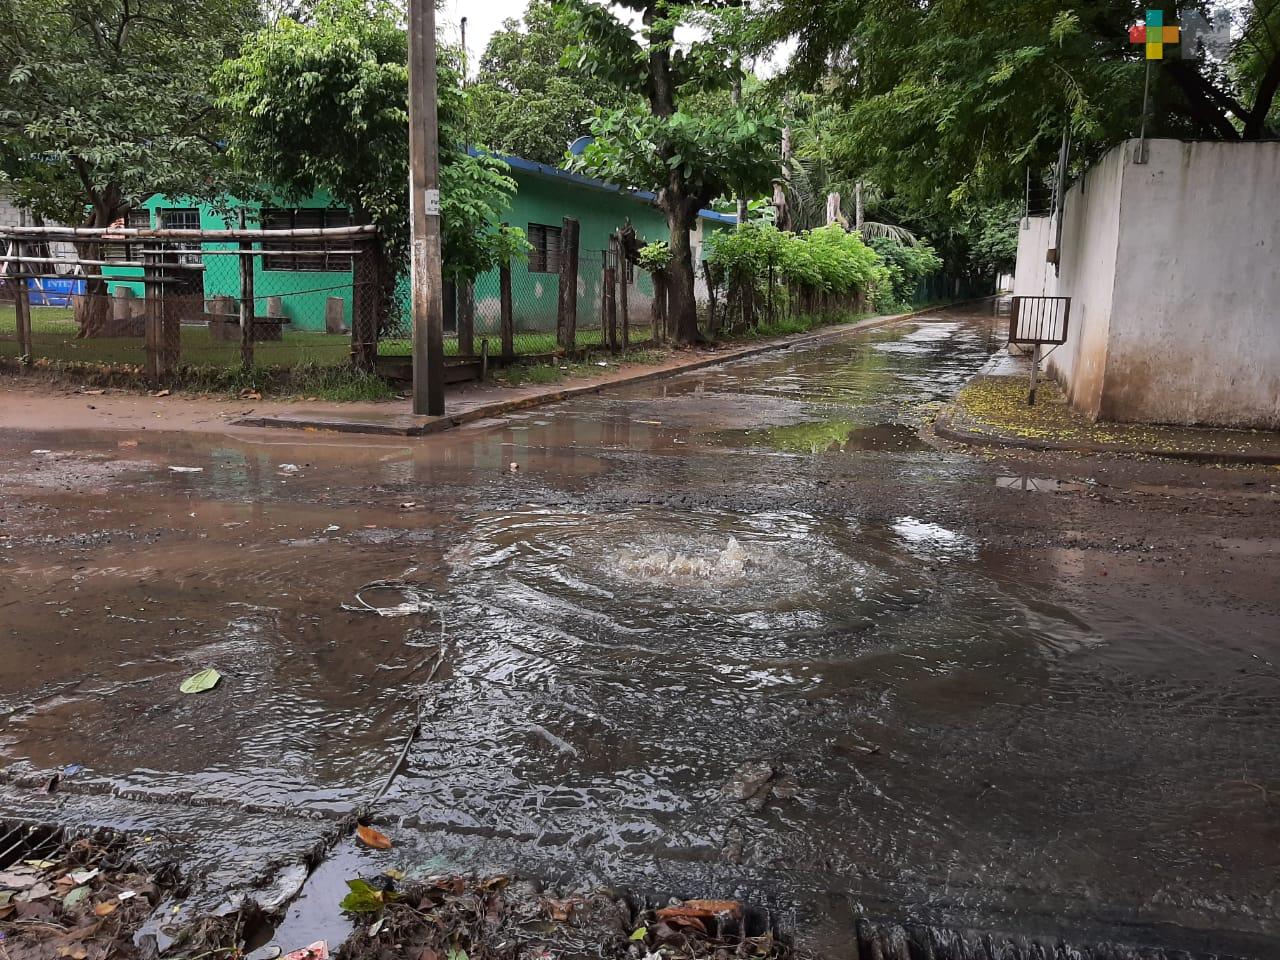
(303, 293)
(538, 200)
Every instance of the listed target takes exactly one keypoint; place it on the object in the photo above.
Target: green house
(305, 279)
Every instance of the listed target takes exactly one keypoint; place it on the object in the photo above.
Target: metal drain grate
(891, 941)
(29, 841)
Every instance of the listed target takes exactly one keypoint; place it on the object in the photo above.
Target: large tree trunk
(93, 310)
(682, 307)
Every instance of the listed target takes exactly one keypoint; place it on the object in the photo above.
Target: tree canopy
(523, 102)
(955, 98)
(105, 103)
(691, 147)
(322, 104)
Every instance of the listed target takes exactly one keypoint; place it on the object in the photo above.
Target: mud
(1022, 691)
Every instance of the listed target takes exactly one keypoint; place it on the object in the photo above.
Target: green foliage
(950, 101)
(363, 897)
(829, 259)
(322, 104)
(654, 256)
(523, 102)
(907, 264)
(689, 146)
(728, 151)
(103, 106)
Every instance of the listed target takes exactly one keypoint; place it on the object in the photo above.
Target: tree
(692, 148)
(107, 103)
(322, 104)
(522, 102)
(956, 98)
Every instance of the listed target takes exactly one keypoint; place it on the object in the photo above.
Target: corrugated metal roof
(548, 172)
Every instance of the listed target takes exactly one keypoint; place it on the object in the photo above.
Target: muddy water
(743, 632)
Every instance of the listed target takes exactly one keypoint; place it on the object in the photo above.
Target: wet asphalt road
(744, 632)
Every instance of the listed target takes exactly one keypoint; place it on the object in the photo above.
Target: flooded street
(744, 632)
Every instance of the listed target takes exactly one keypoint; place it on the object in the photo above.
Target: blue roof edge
(591, 183)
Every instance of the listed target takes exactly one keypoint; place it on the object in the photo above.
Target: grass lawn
(53, 337)
(525, 342)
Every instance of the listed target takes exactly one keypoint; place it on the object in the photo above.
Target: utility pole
(424, 212)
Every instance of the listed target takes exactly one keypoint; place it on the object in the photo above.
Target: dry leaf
(701, 909)
(372, 838)
(161, 393)
(106, 908)
(75, 952)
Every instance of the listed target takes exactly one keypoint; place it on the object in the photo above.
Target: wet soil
(742, 633)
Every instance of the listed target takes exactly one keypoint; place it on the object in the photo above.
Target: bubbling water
(672, 564)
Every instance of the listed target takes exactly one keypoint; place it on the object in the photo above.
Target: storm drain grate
(892, 941)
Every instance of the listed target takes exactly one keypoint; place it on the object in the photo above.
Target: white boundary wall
(1173, 268)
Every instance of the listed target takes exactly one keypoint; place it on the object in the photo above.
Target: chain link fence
(164, 302)
(474, 313)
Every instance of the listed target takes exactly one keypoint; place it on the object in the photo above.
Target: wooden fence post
(246, 304)
(712, 328)
(567, 305)
(22, 306)
(657, 307)
(153, 314)
(467, 319)
(507, 318)
(610, 305)
(623, 293)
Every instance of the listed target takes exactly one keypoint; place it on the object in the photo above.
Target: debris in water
(515, 467)
(701, 910)
(206, 679)
(287, 468)
(373, 838)
(332, 528)
(414, 602)
(317, 951)
(186, 469)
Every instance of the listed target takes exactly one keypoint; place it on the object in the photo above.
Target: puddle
(752, 567)
(1040, 485)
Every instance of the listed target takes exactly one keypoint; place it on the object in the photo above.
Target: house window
(137, 219)
(308, 256)
(545, 255)
(182, 218)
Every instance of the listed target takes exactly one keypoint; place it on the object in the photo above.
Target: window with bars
(308, 256)
(545, 241)
(181, 218)
(137, 219)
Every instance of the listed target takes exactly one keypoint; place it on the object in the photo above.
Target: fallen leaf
(84, 876)
(38, 892)
(702, 909)
(19, 878)
(560, 910)
(362, 898)
(206, 679)
(39, 864)
(372, 838)
(376, 926)
(640, 933)
(394, 874)
(161, 393)
(73, 952)
(73, 899)
(249, 394)
(106, 908)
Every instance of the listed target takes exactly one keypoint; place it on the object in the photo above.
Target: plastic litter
(414, 601)
(186, 469)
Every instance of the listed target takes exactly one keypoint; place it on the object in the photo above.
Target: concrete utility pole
(424, 213)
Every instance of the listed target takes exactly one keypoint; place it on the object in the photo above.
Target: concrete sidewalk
(482, 401)
(992, 411)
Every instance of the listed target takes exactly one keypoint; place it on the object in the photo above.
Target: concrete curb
(945, 428)
(499, 408)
